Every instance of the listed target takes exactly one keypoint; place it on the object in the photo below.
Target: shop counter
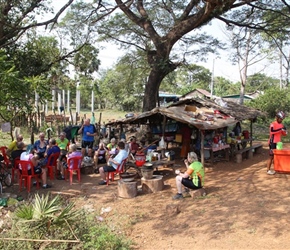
(282, 160)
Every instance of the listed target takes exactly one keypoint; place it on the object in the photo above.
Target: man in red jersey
(277, 129)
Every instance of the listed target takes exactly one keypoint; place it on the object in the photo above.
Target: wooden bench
(248, 152)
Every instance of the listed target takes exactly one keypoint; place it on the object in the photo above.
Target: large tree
(16, 17)
(169, 31)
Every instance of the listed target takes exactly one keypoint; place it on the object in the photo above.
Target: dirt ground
(244, 208)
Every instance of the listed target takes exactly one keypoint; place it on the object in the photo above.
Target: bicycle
(5, 175)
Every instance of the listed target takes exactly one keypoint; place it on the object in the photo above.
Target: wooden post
(163, 133)
(71, 117)
(202, 147)
(251, 133)
(100, 119)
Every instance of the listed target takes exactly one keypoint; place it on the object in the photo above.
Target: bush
(49, 219)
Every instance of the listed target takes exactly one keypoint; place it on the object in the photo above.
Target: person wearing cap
(277, 129)
(193, 178)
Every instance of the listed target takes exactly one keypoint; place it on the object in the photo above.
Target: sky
(219, 65)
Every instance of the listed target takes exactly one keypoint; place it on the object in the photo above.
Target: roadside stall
(208, 121)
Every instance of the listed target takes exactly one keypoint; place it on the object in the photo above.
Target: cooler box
(282, 160)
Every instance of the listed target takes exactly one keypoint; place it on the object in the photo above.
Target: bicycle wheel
(7, 180)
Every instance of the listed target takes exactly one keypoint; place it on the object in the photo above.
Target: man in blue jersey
(88, 132)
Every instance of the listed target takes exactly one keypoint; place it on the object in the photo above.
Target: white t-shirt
(122, 155)
(25, 157)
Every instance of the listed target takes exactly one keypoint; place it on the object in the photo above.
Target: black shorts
(40, 155)
(103, 160)
(37, 170)
(272, 146)
(88, 144)
(62, 155)
(109, 169)
(189, 184)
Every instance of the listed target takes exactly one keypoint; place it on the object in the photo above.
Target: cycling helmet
(280, 114)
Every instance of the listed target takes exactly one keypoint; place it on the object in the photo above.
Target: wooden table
(225, 148)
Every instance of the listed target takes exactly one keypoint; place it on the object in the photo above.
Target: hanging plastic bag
(162, 143)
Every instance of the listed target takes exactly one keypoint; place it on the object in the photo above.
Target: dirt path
(244, 209)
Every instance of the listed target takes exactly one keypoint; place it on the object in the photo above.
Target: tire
(7, 180)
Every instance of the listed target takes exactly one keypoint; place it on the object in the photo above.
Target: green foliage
(101, 237)
(86, 61)
(272, 100)
(224, 87)
(24, 212)
(260, 82)
(51, 219)
(45, 213)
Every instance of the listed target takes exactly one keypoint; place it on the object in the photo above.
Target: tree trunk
(161, 67)
(151, 90)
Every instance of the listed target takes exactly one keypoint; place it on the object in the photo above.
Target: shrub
(49, 224)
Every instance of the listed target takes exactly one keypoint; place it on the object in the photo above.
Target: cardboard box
(190, 108)
(178, 138)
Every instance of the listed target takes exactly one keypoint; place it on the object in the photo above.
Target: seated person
(133, 145)
(112, 147)
(62, 142)
(13, 145)
(193, 178)
(29, 155)
(16, 153)
(113, 162)
(51, 148)
(72, 153)
(100, 155)
(40, 146)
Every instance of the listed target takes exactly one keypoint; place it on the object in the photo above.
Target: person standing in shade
(193, 178)
(277, 129)
(88, 132)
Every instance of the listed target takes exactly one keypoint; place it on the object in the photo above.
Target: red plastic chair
(52, 165)
(75, 162)
(26, 173)
(3, 151)
(15, 168)
(120, 169)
